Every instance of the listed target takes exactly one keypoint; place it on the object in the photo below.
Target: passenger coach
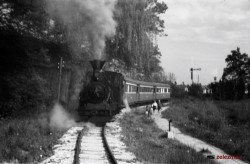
(141, 92)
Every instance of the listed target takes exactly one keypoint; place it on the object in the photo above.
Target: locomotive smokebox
(97, 66)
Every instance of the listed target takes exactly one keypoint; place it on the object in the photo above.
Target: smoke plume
(88, 22)
(60, 119)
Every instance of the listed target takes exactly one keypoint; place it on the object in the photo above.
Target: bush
(195, 90)
(248, 90)
(24, 93)
(228, 90)
(26, 140)
(237, 112)
(178, 91)
(147, 120)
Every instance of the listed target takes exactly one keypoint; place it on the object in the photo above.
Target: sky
(201, 33)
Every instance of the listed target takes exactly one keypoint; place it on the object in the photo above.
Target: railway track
(95, 142)
(92, 147)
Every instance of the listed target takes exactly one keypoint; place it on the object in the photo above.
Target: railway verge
(116, 146)
(27, 140)
(223, 124)
(150, 144)
(64, 151)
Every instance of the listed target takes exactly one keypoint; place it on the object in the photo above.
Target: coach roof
(129, 80)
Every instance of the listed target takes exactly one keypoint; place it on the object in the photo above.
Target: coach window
(133, 88)
(126, 87)
(159, 90)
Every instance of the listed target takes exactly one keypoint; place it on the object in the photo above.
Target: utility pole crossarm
(196, 69)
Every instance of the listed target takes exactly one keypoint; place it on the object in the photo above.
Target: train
(106, 91)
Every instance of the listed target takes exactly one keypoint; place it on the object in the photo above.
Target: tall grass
(150, 145)
(223, 124)
(26, 140)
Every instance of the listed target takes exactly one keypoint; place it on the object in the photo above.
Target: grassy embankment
(27, 140)
(150, 145)
(223, 124)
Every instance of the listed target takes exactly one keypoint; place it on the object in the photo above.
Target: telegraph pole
(60, 65)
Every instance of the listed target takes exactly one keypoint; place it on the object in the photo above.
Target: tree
(236, 66)
(237, 71)
(25, 43)
(25, 17)
(137, 24)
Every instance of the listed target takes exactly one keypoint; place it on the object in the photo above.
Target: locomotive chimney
(97, 66)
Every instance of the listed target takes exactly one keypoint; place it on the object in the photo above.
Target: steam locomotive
(106, 91)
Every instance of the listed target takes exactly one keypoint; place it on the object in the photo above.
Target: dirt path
(195, 143)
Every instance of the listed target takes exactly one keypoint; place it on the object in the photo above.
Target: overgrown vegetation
(223, 124)
(24, 89)
(150, 145)
(27, 140)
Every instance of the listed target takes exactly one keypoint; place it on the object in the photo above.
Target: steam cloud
(60, 119)
(127, 108)
(87, 21)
